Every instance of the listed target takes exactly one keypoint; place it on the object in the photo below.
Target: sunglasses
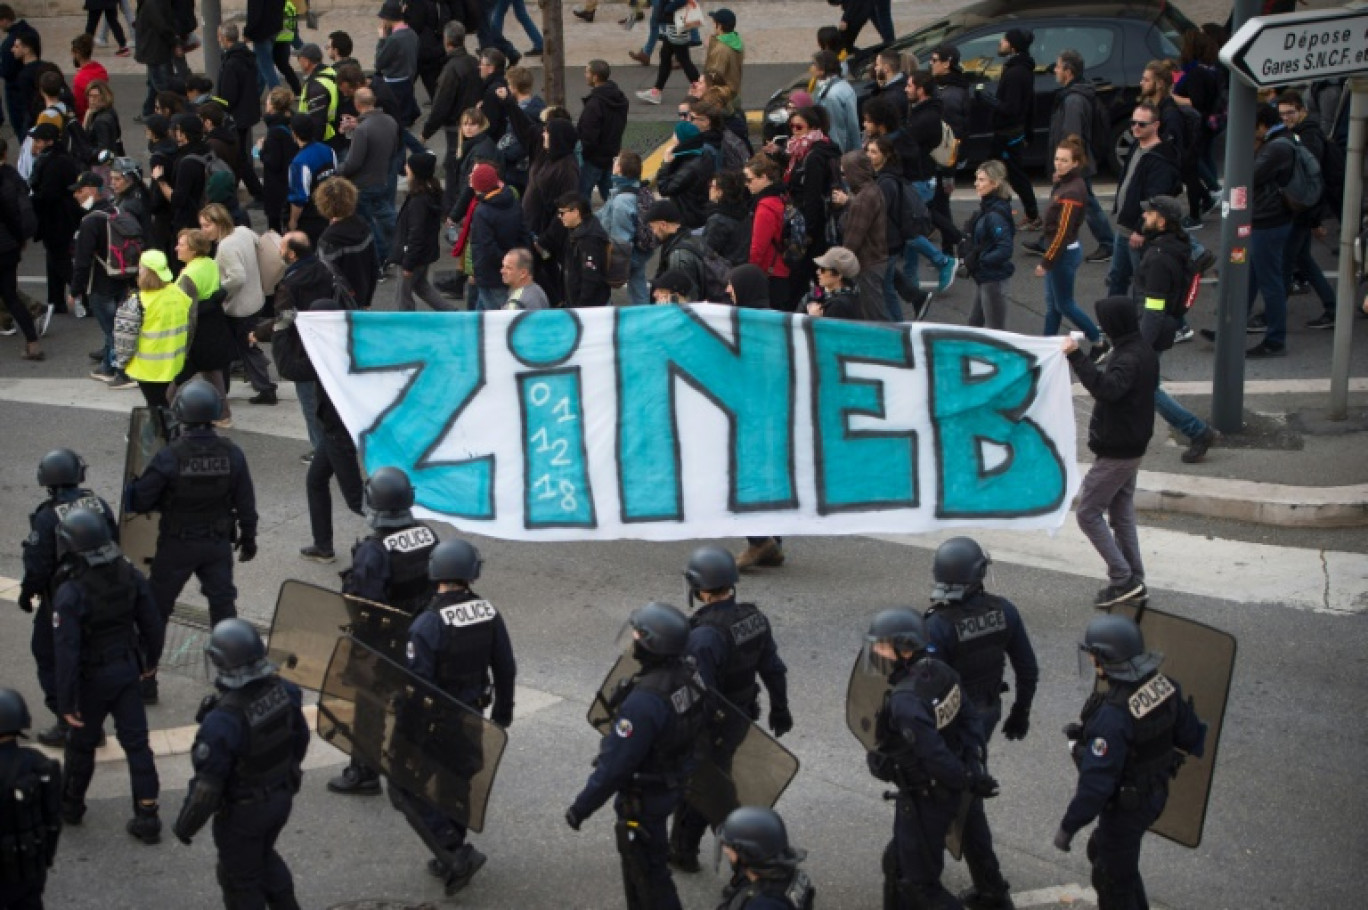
(1142, 123)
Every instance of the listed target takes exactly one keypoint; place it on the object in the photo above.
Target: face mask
(88, 202)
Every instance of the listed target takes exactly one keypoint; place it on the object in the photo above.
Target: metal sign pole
(1227, 402)
(213, 18)
(1350, 216)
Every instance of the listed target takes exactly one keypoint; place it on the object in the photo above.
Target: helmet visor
(873, 662)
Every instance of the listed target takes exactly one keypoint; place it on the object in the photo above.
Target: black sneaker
(1034, 247)
(1101, 254)
(1192, 224)
(266, 397)
(97, 356)
(1197, 448)
(1263, 349)
(1298, 288)
(436, 868)
(318, 554)
(1323, 321)
(1204, 262)
(464, 865)
(1256, 325)
(1130, 589)
(974, 899)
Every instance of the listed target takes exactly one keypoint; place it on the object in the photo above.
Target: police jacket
(30, 813)
(1272, 170)
(40, 547)
(458, 88)
(1015, 109)
(92, 239)
(792, 890)
(651, 743)
(102, 617)
(457, 643)
(928, 734)
(390, 567)
(1123, 390)
(977, 636)
(731, 644)
(237, 86)
(252, 740)
(200, 484)
(1128, 740)
(1147, 173)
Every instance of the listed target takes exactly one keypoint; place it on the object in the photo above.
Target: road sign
(1269, 51)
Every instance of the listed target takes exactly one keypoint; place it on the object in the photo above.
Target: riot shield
(1202, 660)
(864, 699)
(308, 619)
(426, 742)
(739, 764)
(138, 532)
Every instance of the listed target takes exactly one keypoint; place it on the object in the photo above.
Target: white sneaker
(45, 320)
(1183, 334)
(102, 42)
(650, 95)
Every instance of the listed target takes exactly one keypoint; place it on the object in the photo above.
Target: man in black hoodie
(600, 129)
(237, 88)
(586, 253)
(54, 172)
(1014, 119)
(183, 185)
(1118, 434)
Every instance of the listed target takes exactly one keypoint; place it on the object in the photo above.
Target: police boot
(466, 862)
(148, 689)
(683, 856)
(145, 824)
(72, 812)
(356, 779)
(983, 898)
(55, 736)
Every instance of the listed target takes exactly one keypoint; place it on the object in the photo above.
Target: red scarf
(459, 249)
(798, 148)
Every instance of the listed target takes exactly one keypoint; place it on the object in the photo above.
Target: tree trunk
(553, 54)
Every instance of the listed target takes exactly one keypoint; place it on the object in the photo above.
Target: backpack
(947, 153)
(794, 239)
(213, 164)
(1305, 186)
(713, 270)
(618, 264)
(124, 244)
(1099, 136)
(644, 240)
(914, 219)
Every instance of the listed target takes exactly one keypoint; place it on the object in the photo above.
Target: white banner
(703, 421)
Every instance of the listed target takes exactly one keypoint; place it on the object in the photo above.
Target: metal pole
(213, 17)
(1227, 402)
(1350, 216)
(553, 54)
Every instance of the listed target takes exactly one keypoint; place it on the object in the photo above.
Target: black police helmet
(14, 714)
(902, 627)
(710, 569)
(758, 836)
(61, 468)
(85, 532)
(389, 490)
(197, 403)
(959, 569)
(454, 560)
(1119, 646)
(662, 629)
(237, 653)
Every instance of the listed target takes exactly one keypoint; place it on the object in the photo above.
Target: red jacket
(767, 233)
(84, 76)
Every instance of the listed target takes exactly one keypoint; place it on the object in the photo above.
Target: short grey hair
(522, 258)
(454, 34)
(229, 32)
(1072, 61)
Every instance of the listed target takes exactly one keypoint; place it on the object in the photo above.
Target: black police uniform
(247, 758)
(732, 644)
(40, 570)
(391, 567)
(792, 891)
(977, 636)
(200, 484)
(457, 644)
(103, 616)
(30, 823)
(930, 743)
(1126, 751)
(646, 759)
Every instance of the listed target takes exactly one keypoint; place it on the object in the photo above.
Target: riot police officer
(766, 875)
(931, 745)
(458, 643)
(1129, 743)
(649, 753)
(30, 817)
(389, 567)
(201, 485)
(247, 754)
(102, 612)
(62, 471)
(731, 644)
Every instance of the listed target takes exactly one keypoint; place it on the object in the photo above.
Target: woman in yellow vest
(165, 330)
(210, 350)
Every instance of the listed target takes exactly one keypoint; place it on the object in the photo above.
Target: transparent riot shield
(308, 619)
(864, 699)
(426, 742)
(1201, 659)
(138, 532)
(739, 763)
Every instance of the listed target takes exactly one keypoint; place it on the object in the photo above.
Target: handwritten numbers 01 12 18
(558, 492)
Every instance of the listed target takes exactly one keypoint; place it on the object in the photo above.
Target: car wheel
(1120, 147)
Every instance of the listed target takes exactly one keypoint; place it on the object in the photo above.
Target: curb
(1256, 503)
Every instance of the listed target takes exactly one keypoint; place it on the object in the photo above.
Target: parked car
(1116, 40)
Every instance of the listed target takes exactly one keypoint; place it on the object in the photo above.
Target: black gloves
(1018, 722)
(247, 549)
(1073, 731)
(26, 601)
(572, 818)
(881, 766)
(985, 786)
(780, 721)
(1063, 839)
(502, 720)
(209, 703)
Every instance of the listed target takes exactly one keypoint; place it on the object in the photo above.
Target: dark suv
(1116, 40)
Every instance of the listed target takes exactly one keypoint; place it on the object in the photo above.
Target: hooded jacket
(1073, 116)
(188, 184)
(1123, 390)
(473, 151)
(685, 179)
(496, 227)
(750, 286)
(863, 231)
(1147, 173)
(726, 233)
(347, 248)
(1272, 170)
(53, 171)
(810, 188)
(924, 128)
(88, 274)
(602, 124)
(953, 91)
(726, 56)
(1015, 108)
(763, 234)
(586, 262)
(991, 233)
(1161, 284)
(154, 29)
(458, 88)
(554, 173)
(237, 85)
(416, 231)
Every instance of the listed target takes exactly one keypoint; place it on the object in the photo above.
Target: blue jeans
(266, 68)
(1125, 260)
(376, 205)
(1059, 296)
(892, 302)
(1177, 416)
(481, 299)
(525, 20)
(307, 393)
(923, 246)
(1097, 219)
(102, 308)
(1299, 258)
(638, 290)
(1266, 247)
(653, 30)
(594, 177)
(158, 80)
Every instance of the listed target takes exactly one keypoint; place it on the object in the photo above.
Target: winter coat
(1064, 217)
(496, 226)
(154, 27)
(1145, 175)
(1073, 116)
(58, 213)
(373, 143)
(554, 173)
(1161, 285)
(766, 232)
(891, 184)
(602, 124)
(396, 56)
(685, 179)
(619, 214)
(838, 98)
(1123, 390)
(843, 303)
(1272, 169)
(726, 56)
(862, 230)
(347, 248)
(237, 85)
(923, 128)
(473, 151)
(105, 132)
(241, 275)
(277, 151)
(991, 232)
(1015, 108)
(810, 188)
(953, 91)
(304, 281)
(88, 275)
(416, 231)
(187, 178)
(492, 107)
(586, 259)
(726, 232)
(458, 88)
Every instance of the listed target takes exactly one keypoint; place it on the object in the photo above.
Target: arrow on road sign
(1269, 51)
